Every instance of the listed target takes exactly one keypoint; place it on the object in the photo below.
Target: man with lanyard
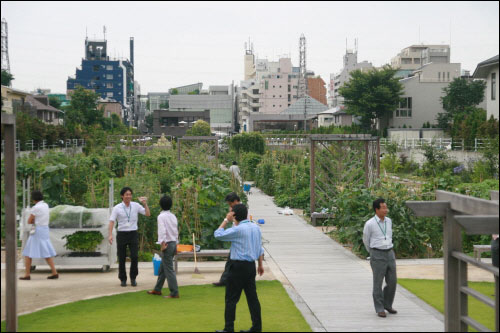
(377, 237)
(246, 248)
(126, 214)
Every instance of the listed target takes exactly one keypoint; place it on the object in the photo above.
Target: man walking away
(377, 237)
(246, 247)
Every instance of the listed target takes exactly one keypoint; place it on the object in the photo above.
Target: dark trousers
(383, 265)
(167, 270)
(128, 239)
(242, 277)
(225, 274)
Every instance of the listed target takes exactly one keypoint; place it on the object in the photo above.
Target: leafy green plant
(83, 241)
(248, 142)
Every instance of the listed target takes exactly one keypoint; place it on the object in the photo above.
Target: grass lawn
(200, 309)
(432, 292)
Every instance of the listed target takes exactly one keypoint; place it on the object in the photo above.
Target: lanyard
(129, 212)
(385, 229)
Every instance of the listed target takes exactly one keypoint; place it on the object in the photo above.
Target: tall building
(415, 56)
(337, 80)
(110, 78)
(316, 89)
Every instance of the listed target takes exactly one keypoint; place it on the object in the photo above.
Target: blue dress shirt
(245, 238)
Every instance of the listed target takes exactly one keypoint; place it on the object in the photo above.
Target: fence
(475, 217)
(32, 145)
(443, 143)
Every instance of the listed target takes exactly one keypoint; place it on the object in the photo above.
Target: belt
(127, 231)
(384, 250)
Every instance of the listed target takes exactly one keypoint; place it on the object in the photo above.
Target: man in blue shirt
(246, 248)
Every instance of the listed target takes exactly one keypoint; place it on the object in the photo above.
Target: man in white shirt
(377, 237)
(235, 171)
(167, 237)
(126, 214)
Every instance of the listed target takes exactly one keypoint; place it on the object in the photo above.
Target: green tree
(55, 102)
(147, 105)
(174, 92)
(165, 105)
(200, 128)
(83, 108)
(194, 92)
(6, 78)
(149, 122)
(460, 96)
(372, 95)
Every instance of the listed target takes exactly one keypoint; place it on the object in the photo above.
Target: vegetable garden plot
(338, 162)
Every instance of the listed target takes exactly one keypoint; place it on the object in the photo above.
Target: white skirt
(39, 245)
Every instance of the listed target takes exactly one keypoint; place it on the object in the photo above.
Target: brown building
(176, 123)
(316, 89)
(38, 106)
(110, 108)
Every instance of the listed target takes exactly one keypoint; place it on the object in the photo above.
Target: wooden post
(464, 303)
(378, 157)
(312, 174)
(496, 303)
(452, 242)
(367, 168)
(10, 201)
(179, 149)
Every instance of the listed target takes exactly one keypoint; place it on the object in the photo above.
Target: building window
(405, 108)
(109, 94)
(289, 88)
(109, 76)
(109, 67)
(448, 76)
(267, 84)
(439, 76)
(109, 85)
(96, 68)
(493, 86)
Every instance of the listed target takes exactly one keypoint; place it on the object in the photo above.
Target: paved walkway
(331, 286)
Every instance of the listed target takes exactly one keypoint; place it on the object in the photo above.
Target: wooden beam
(467, 204)
(477, 295)
(429, 208)
(472, 261)
(474, 324)
(478, 224)
(10, 203)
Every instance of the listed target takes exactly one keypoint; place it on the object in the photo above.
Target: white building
(488, 70)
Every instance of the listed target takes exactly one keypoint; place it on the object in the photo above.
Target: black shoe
(391, 311)
(123, 284)
(219, 284)
(133, 283)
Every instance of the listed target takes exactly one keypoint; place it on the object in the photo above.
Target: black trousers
(128, 239)
(225, 274)
(241, 277)
(494, 252)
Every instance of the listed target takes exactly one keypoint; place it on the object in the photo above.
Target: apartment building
(415, 56)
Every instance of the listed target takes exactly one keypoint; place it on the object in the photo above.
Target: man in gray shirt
(377, 237)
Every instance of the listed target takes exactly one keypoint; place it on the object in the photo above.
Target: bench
(317, 216)
(202, 253)
(478, 249)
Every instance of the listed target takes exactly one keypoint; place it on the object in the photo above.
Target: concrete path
(331, 286)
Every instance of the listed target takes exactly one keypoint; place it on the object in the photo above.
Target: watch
(226, 220)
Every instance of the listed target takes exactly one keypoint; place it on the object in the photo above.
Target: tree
(165, 105)
(149, 122)
(461, 96)
(200, 128)
(55, 102)
(83, 107)
(174, 92)
(6, 78)
(194, 92)
(372, 95)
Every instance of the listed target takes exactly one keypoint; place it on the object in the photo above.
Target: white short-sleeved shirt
(41, 212)
(127, 217)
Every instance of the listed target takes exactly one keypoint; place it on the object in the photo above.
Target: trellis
(196, 148)
(339, 161)
(475, 217)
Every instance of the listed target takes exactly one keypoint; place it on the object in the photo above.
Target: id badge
(386, 242)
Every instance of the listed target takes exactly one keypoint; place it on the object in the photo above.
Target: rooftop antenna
(104, 31)
(86, 33)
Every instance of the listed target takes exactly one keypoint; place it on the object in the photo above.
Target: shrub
(249, 163)
(83, 241)
(248, 142)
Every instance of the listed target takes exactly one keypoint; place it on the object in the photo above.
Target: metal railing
(441, 143)
(33, 145)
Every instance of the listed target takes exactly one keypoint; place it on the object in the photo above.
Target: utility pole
(302, 84)
(5, 47)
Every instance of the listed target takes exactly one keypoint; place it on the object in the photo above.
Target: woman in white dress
(38, 244)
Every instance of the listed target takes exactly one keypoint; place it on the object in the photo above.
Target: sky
(180, 43)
